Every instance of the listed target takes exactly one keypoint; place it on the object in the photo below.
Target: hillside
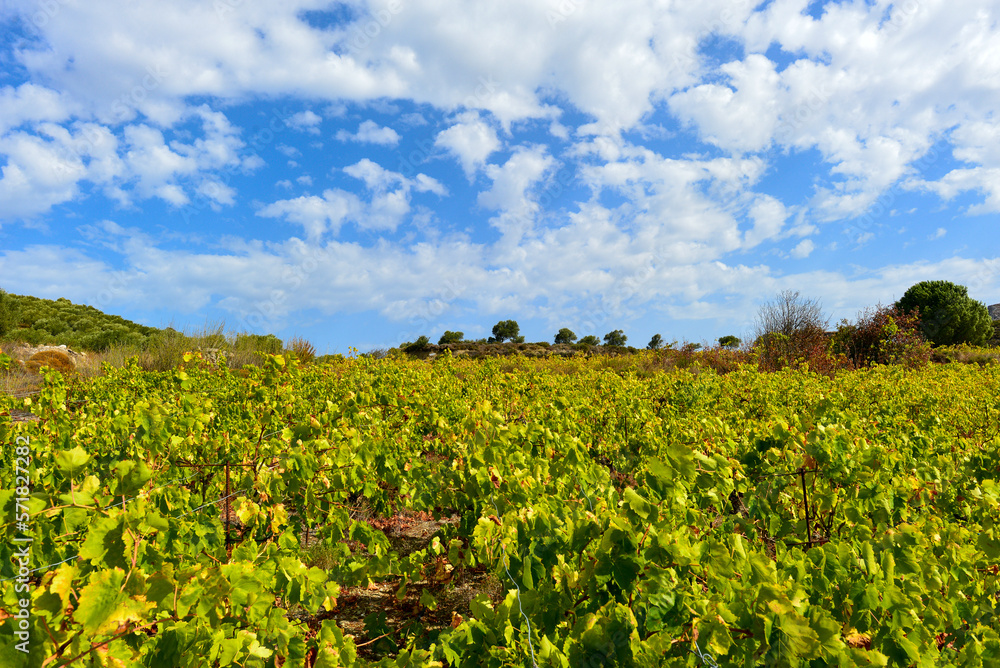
(40, 321)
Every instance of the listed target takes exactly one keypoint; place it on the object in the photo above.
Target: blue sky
(362, 173)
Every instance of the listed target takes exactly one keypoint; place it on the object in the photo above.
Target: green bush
(266, 344)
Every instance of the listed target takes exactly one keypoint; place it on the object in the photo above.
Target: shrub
(266, 344)
(589, 340)
(8, 314)
(809, 347)
(54, 359)
(565, 335)
(948, 315)
(304, 351)
(881, 335)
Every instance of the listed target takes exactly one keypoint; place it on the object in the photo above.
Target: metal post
(805, 501)
(227, 508)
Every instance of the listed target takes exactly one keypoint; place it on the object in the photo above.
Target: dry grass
(52, 359)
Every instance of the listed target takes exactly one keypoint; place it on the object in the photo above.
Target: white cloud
(803, 249)
(30, 103)
(387, 207)
(470, 140)
(316, 215)
(369, 132)
(307, 120)
(738, 119)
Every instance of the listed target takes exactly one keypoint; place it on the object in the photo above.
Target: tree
(947, 314)
(8, 314)
(450, 337)
(506, 329)
(789, 314)
(791, 330)
(615, 338)
(590, 340)
(416, 346)
(655, 343)
(565, 335)
(730, 342)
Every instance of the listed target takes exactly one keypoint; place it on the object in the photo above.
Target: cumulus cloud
(369, 132)
(388, 205)
(309, 121)
(470, 140)
(803, 249)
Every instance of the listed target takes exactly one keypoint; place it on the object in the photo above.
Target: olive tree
(506, 330)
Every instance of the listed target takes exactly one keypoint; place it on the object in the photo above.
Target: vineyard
(502, 512)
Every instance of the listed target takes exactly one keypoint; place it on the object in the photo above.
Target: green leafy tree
(565, 335)
(590, 340)
(506, 330)
(655, 343)
(730, 341)
(419, 344)
(450, 337)
(947, 314)
(615, 338)
(8, 314)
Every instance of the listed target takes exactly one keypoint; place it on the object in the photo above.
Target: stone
(994, 311)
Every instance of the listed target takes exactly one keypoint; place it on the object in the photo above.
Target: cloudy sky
(361, 173)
